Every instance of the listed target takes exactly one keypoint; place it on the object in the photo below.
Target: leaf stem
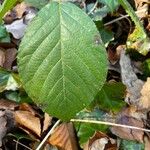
(109, 123)
(48, 134)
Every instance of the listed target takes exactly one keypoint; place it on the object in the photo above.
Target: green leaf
(111, 4)
(86, 130)
(131, 145)
(100, 13)
(4, 35)
(37, 3)
(146, 67)
(110, 97)
(62, 61)
(7, 81)
(6, 6)
(12, 95)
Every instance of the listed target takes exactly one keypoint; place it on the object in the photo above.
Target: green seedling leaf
(7, 81)
(37, 3)
(131, 145)
(110, 97)
(62, 61)
(146, 67)
(4, 35)
(12, 95)
(86, 130)
(6, 6)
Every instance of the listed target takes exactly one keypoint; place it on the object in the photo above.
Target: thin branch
(111, 124)
(48, 134)
(122, 17)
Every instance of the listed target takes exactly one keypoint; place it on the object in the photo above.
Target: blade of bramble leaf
(62, 61)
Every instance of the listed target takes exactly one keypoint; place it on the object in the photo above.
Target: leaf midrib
(61, 50)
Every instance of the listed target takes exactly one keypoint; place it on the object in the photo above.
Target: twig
(122, 17)
(48, 134)
(17, 142)
(111, 124)
(95, 5)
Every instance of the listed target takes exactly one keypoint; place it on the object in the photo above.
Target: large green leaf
(37, 3)
(62, 61)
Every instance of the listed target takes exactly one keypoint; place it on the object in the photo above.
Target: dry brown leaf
(10, 56)
(131, 117)
(20, 9)
(28, 121)
(145, 95)
(47, 122)
(64, 137)
(130, 79)
(142, 5)
(2, 57)
(6, 123)
(147, 143)
(3, 128)
(8, 104)
(100, 141)
(16, 13)
(27, 107)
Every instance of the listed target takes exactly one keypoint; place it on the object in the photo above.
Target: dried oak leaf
(26, 120)
(100, 141)
(64, 137)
